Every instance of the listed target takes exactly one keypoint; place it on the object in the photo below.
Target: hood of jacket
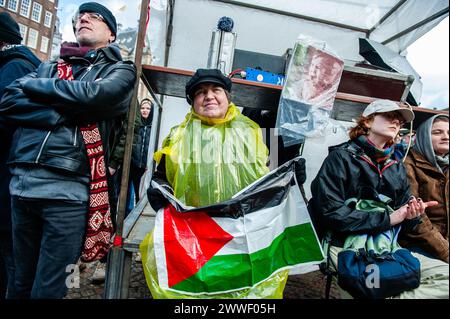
(423, 144)
(19, 52)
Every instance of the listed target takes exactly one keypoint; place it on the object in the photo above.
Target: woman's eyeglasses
(90, 15)
(393, 116)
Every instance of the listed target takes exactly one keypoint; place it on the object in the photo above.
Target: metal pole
(387, 15)
(416, 26)
(113, 284)
(294, 15)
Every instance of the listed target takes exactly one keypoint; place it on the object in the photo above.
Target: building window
(25, 8)
(2, 3)
(44, 44)
(36, 13)
(48, 19)
(23, 32)
(13, 4)
(32, 38)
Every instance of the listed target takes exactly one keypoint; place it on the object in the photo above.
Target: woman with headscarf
(427, 168)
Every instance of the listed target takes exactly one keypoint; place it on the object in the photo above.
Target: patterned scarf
(376, 154)
(442, 161)
(99, 227)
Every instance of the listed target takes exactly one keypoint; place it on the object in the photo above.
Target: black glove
(156, 198)
(300, 171)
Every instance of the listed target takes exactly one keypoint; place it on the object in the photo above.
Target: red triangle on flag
(190, 240)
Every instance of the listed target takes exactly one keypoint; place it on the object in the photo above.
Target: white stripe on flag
(263, 226)
(160, 252)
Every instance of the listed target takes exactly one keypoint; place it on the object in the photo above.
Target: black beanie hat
(110, 20)
(9, 29)
(206, 76)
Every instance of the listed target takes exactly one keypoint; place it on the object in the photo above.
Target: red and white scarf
(99, 226)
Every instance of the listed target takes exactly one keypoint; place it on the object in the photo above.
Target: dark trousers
(48, 236)
(6, 265)
(135, 177)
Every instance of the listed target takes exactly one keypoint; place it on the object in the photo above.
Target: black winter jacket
(140, 149)
(14, 63)
(50, 111)
(348, 173)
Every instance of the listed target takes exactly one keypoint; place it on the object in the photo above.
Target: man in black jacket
(67, 112)
(16, 61)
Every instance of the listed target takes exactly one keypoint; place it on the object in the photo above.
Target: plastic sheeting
(272, 288)
(308, 95)
(222, 250)
(210, 160)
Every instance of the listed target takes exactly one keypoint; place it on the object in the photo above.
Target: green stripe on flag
(296, 245)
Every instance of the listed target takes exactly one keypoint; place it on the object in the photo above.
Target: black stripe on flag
(268, 191)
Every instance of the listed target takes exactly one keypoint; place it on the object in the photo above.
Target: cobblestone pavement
(307, 286)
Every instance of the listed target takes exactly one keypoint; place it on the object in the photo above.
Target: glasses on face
(393, 116)
(93, 16)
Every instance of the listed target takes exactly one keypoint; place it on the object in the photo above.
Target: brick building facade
(36, 19)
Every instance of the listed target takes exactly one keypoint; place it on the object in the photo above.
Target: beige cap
(385, 106)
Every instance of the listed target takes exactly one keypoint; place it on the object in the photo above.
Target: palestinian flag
(237, 244)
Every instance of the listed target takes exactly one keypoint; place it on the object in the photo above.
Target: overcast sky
(429, 55)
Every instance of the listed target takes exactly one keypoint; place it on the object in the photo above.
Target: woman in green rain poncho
(212, 155)
(215, 152)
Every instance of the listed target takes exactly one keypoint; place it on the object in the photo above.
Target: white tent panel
(357, 13)
(409, 14)
(267, 32)
(256, 30)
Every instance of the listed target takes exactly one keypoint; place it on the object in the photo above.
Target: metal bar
(114, 279)
(131, 117)
(387, 15)
(133, 216)
(294, 15)
(417, 25)
(126, 274)
(385, 74)
(169, 31)
(409, 81)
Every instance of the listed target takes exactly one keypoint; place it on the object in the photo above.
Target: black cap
(206, 76)
(110, 20)
(9, 29)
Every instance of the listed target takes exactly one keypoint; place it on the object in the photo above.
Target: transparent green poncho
(210, 160)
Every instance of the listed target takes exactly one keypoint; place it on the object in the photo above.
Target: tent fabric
(366, 16)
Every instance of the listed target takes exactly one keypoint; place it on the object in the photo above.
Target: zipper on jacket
(380, 172)
(371, 164)
(75, 131)
(42, 147)
(142, 148)
(89, 68)
(390, 164)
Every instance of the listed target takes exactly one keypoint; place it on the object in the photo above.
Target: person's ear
(111, 38)
(368, 123)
